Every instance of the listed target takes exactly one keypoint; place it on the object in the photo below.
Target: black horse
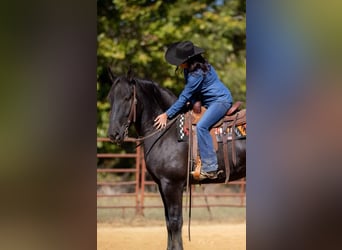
(139, 101)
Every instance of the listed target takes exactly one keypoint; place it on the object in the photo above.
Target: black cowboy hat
(179, 52)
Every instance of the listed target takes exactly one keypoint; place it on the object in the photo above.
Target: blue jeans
(205, 144)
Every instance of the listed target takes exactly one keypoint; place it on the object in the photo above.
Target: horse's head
(122, 100)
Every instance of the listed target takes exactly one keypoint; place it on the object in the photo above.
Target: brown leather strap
(225, 152)
(198, 168)
(196, 155)
(194, 150)
(133, 113)
(225, 158)
(233, 141)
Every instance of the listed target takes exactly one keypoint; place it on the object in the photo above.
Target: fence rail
(140, 184)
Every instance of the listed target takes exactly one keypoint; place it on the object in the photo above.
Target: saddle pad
(182, 131)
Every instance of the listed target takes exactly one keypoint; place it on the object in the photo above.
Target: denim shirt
(204, 86)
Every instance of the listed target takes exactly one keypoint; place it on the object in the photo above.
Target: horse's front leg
(172, 198)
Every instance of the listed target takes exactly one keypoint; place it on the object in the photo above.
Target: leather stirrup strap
(233, 140)
(194, 147)
(198, 168)
(225, 152)
(196, 155)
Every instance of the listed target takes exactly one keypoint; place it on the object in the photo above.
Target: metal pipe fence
(233, 192)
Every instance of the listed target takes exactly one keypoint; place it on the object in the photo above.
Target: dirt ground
(203, 237)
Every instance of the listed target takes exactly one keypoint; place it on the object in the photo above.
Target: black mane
(162, 97)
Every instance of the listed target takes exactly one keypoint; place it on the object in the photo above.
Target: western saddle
(222, 132)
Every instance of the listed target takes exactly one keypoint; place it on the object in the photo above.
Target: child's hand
(160, 121)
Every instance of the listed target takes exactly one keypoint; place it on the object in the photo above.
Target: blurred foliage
(137, 33)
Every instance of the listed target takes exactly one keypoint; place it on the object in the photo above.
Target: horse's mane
(162, 96)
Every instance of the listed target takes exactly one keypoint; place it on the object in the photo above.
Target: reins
(156, 132)
(188, 184)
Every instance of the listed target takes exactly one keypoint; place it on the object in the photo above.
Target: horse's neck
(149, 106)
(145, 122)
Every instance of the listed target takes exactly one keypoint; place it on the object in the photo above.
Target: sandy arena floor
(203, 237)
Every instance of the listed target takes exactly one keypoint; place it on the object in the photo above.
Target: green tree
(136, 33)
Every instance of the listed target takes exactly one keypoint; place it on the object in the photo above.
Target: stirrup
(212, 175)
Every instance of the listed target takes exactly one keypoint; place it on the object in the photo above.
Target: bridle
(133, 115)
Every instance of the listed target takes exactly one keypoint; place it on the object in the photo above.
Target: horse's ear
(106, 76)
(112, 77)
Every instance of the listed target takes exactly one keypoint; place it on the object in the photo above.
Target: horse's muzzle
(115, 138)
